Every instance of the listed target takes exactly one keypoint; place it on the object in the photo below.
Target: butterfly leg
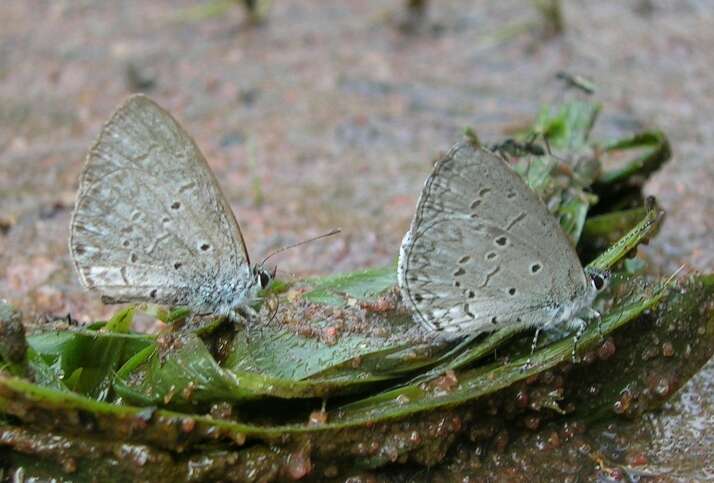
(245, 312)
(581, 324)
(533, 347)
(593, 314)
(598, 316)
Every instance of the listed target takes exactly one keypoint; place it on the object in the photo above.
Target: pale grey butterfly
(483, 253)
(150, 223)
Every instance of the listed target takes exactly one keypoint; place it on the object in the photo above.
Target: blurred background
(317, 115)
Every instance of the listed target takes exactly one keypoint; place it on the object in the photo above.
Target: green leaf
(567, 126)
(121, 322)
(359, 285)
(644, 229)
(640, 154)
(189, 375)
(572, 214)
(88, 357)
(286, 355)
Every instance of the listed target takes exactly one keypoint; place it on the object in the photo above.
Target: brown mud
(330, 115)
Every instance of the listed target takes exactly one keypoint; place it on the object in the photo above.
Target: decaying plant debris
(338, 382)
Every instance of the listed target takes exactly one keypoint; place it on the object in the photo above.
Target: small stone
(667, 349)
(531, 422)
(299, 465)
(188, 425)
(554, 440)
(331, 471)
(318, 417)
(606, 350)
(637, 459)
(500, 441)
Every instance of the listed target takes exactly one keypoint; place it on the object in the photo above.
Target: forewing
(483, 250)
(150, 221)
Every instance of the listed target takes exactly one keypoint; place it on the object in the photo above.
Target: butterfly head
(262, 276)
(599, 278)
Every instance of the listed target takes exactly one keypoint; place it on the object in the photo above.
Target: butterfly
(484, 253)
(150, 223)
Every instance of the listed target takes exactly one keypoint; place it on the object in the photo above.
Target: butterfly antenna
(275, 312)
(532, 136)
(549, 151)
(309, 240)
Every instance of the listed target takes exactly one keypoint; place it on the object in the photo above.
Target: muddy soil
(330, 116)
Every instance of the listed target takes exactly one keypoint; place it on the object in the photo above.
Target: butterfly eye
(264, 279)
(598, 281)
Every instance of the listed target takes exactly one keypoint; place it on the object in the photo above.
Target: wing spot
(464, 259)
(510, 195)
(475, 204)
(471, 294)
(205, 247)
(152, 294)
(457, 284)
(133, 258)
(491, 255)
(511, 291)
(125, 243)
(536, 267)
(494, 321)
(418, 297)
(175, 205)
(483, 192)
(489, 275)
(178, 265)
(156, 242)
(501, 241)
(186, 187)
(459, 271)
(515, 220)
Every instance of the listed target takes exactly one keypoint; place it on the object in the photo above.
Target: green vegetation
(337, 381)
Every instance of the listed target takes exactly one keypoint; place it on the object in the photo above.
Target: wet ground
(329, 116)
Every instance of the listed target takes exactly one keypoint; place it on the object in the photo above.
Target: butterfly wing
(483, 251)
(150, 222)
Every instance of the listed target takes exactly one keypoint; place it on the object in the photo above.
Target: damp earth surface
(330, 116)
